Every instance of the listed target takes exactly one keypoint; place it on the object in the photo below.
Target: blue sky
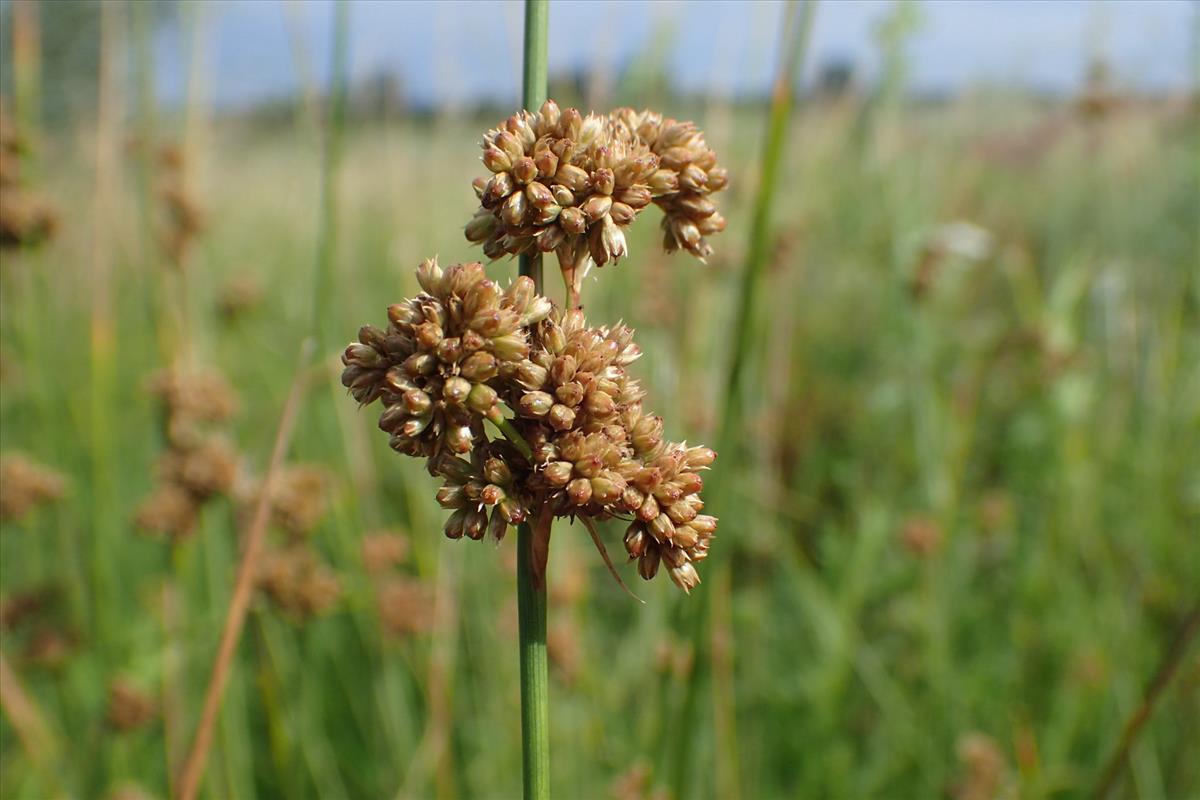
(462, 52)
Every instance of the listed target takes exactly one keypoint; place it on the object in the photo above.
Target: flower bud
(596, 206)
(570, 394)
(510, 347)
(621, 213)
(499, 187)
(573, 221)
(531, 376)
(491, 495)
(546, 163)
(459, 439)
(700, 457)
(558, 473)
(482, 398)
(662, 528)
(648, 563)
(514, 209)
(454, 525)
(496, 160)
(635, 196)
(479, 366)
(535, 404)
(512, 511)
(693, 179)
(475, 525)
(416, 402)
(685, 577)
(480, 227)
(456, 390)
(392, 418)
(539, 195)
(496, 471)
(419, 364)
(602, 181)
(636, 540)
(663, 181)
(647, 434)
(572, 177)
(562, 195)
(451, 496)
(606, 490)
(579, 491)
(510, 145)
(685, 536)
(560, 417)
(450, 350)
(681, 512)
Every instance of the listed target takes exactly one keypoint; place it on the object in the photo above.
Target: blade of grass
(193, 769)
(714, 618)
(1141, 715)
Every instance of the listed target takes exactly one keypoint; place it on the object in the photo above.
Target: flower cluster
(199, 463)
(26, 219)
(569, 184)
(580, 443)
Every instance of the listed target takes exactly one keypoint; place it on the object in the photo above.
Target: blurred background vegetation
(959, 509)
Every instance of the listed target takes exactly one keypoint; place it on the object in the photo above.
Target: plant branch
(243, 590)
(1141, 715)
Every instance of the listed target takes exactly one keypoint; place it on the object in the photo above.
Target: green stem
(324, 325)
(531, 592)
(710, 624)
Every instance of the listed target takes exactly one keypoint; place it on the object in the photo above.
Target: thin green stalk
(324, 326)
(712, 624)
(531, 587)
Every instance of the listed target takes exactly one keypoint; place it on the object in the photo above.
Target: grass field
(960, 517)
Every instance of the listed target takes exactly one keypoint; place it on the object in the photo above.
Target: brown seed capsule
(622, 214)
(560, 417)
(496, 160)
(482, 398)
(515, 207)
(535, 404)
(602, 181)
(454, 527)
(648, 563)
(558, 473)
(579, 491)
(456, 390)
(539, 195)
(685, 577)
(573, 221)
(636, 541)
(571, 177)
(596, 206)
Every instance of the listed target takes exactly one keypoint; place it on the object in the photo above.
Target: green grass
(1039, 406)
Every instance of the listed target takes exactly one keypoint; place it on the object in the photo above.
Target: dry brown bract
(25, 484)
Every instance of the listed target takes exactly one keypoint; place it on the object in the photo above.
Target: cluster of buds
(435, 366)
(580, 443)
(298, 581)
(180, 219)
(199, 463)
(571, 184)
(25, 484)
(25, 218)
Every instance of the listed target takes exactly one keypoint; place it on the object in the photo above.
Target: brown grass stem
(243, 590)
(1137, 721)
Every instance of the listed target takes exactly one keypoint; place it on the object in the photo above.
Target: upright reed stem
(531, 586)
(712, 623)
